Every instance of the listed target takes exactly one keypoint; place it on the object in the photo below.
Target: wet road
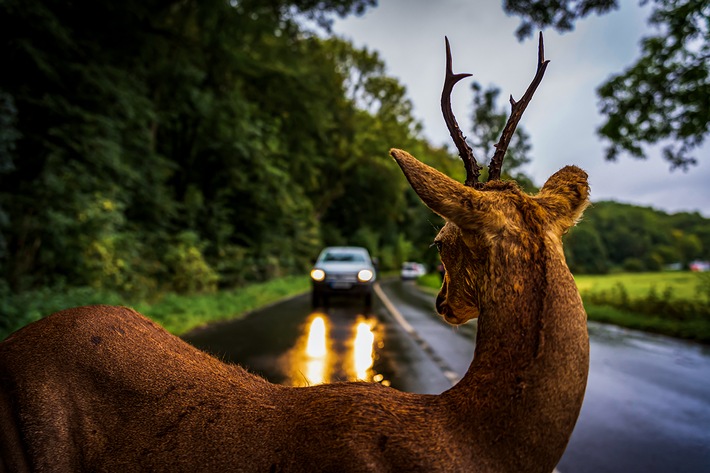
(292, 344)
(647, 406)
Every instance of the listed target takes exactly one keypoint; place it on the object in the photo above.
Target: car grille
(341, 277)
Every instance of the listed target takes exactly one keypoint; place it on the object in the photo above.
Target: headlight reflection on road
(309, 361)
(329, 351)
(364, 350)
(315, 347)
(316, 369)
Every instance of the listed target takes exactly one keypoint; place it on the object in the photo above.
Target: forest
(622, 237)
(163, 146)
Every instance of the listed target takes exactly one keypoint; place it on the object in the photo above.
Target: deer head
(494, 231)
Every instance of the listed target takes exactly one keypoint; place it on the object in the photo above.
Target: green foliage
(702, 288)
(661, 99)
(8, 136)
(488, 124)
(177, 147)
(176, 313)
(189, 272)
(637, 285)
(585, 251)
(633, 265)
(181, 313)
(561, 15)
(614, 235)
(664, 96)
(697, 329)
(431, 282)
(655, 311)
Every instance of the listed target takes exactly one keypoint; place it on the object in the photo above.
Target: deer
(103, 388)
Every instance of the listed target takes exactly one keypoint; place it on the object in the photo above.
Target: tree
(615, 235)
(8, 136)
(488, 124)
(665, 96)
(559, 14)
(140, 135)
(585, 251)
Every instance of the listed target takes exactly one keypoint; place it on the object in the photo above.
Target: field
(671, 303)
(682, 284)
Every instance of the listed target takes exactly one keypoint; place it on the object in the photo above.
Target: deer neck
(523, 391)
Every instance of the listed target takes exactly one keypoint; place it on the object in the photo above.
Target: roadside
(675, 304)
(176, 313)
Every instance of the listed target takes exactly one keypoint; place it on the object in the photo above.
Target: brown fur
(104, 389)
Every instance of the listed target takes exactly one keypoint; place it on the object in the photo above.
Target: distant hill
(613, 235)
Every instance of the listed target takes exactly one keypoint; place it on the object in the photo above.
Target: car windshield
(345, 257)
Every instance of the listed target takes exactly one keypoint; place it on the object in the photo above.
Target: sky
(563, 116)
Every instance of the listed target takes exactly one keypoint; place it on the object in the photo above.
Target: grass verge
(681, 284)
(176, 313)
(180, 314)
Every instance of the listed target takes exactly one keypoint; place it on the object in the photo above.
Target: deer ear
(464, 206)
(565, 195)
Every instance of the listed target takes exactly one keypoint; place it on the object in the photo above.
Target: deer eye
(436, 243)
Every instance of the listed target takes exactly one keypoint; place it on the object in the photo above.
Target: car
(346, 270)
(411, 270)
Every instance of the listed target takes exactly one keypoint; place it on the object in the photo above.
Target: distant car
(343, 270)
(411, 270)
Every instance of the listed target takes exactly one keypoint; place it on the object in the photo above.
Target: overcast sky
(563, 115)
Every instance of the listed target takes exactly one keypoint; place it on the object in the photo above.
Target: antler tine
(517, 109)
(473, 170)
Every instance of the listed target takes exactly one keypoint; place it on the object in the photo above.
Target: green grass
(683, 284)
(430, 282)
(180, 314)
(668, 303)
(177, 314)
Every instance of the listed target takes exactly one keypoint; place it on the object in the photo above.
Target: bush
(190, 273)
(176, 313)
(654, 312)
(633, 265)
(18, 310)
(663, 304)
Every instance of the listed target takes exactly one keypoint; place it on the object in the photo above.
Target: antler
(473, 170)
(517, 109)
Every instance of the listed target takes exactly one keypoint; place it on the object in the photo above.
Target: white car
(411, 270)
(342, 270)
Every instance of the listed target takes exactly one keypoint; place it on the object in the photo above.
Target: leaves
(664, 98)
(166, 145)
(559, 14)
(614, 235)
(488, 123)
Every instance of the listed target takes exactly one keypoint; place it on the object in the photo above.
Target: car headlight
(364, 275)
(318, 275)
